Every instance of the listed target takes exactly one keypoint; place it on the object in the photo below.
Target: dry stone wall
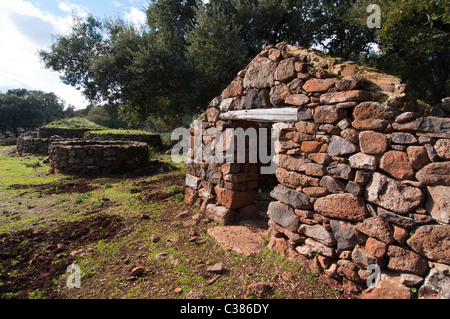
(152, 140)
(94, 157)
(31, 143)
(48, 132)
(363, 176)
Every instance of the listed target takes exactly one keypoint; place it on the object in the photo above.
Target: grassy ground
(135, 132)
(109, 225)
(75, 123)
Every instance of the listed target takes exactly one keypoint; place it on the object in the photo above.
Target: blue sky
(26, 26)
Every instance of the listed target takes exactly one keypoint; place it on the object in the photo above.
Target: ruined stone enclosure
(97, 157)
(362, 175)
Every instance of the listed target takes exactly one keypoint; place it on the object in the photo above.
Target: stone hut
(362, 173)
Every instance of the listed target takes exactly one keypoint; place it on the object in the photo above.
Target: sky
(27, 26)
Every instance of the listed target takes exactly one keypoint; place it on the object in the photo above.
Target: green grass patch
(131, 132)
(75, 123)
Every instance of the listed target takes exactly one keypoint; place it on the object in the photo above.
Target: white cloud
(116, 4)
(136, 16)
(24, 29)
(69, 7)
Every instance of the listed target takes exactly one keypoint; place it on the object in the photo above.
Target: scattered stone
(238, 239)
(161, 255)
(155, 239)
(213, 280)
(193, 294)
(137, 271)
(178, 290)
(221, 214)
(350, 274)
(216, 268)
(259, 290)
(182, 214)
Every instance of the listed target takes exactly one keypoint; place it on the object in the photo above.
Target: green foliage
(414, 41)
(159, 75)
(75, 123)
(131, 132)
(23, 109)
(33, 164)
(105, 116)
(174, 190)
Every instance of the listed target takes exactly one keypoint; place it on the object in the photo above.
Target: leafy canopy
(189, 50)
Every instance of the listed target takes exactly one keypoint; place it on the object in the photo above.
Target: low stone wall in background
(47, 132)
(153, 140)
(96, 157)
(31, 143)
